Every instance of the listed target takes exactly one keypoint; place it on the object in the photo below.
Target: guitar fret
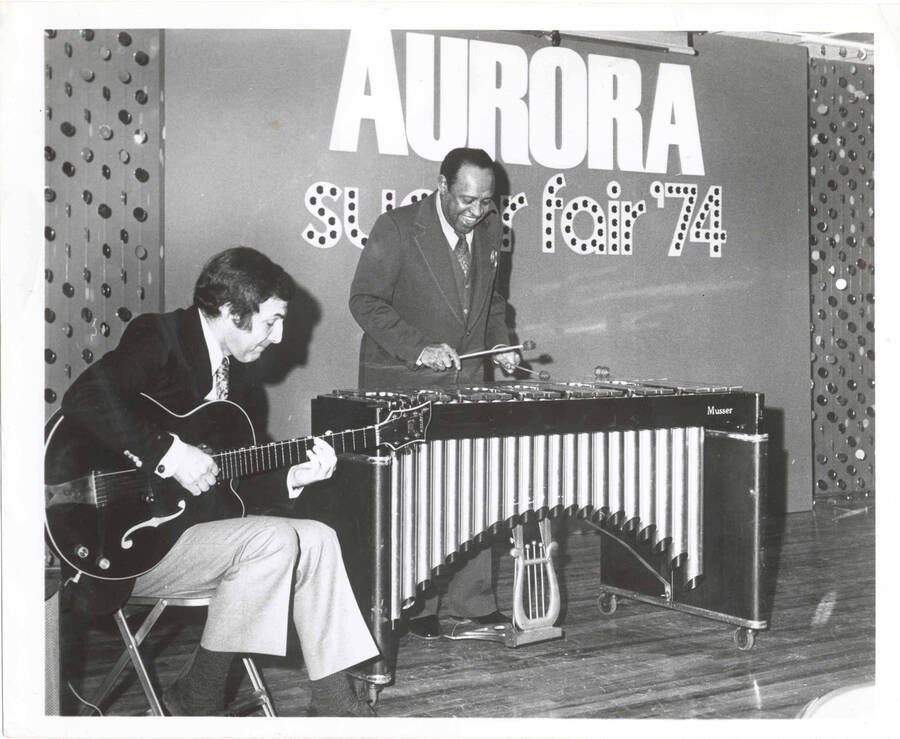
(247, 461)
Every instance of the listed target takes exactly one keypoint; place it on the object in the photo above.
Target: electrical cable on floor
(87, 703)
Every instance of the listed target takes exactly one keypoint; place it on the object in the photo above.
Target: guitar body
(113, 521)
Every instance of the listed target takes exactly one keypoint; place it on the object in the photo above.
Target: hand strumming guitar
(195, 470)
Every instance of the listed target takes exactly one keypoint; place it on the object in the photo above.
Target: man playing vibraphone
(424, 294)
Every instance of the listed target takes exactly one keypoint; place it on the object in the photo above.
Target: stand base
(504, 633)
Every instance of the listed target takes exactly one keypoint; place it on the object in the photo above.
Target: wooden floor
(641, 662)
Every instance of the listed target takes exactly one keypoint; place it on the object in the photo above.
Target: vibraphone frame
(357, 501)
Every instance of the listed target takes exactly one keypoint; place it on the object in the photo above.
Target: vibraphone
(673, 475)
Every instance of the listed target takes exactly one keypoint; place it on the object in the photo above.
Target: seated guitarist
(258, 568)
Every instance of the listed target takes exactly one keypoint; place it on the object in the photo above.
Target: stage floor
(640, 662)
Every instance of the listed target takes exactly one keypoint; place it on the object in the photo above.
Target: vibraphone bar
(671, 473)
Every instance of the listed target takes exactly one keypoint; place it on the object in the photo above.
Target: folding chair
(259, 699)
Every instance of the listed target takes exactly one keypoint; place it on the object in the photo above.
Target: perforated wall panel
(842, 275)
(103, 226)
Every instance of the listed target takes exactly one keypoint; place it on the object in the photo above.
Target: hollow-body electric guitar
(116, 523)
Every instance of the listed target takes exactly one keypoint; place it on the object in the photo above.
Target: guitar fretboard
(252, 460)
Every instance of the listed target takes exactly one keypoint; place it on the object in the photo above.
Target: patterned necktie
(220, 380)
(461, 250)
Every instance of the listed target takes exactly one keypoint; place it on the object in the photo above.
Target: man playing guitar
(256, 568)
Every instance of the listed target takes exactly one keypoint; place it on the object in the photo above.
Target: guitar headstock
(404, 426)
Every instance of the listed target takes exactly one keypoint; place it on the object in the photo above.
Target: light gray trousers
(251, 568)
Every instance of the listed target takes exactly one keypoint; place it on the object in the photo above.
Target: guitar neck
(253, 460)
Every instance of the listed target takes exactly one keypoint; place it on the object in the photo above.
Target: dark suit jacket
(404, 296)
(163, 355)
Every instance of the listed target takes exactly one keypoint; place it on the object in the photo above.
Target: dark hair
(244, 278)
(456, 158)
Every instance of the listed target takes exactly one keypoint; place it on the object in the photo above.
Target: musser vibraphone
(673, 475)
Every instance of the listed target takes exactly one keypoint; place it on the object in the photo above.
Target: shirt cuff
(293, 492)
(172, 458)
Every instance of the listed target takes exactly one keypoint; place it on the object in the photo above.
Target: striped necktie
(220, 380)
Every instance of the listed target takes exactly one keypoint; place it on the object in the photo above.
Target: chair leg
(131, 645)
(259, 687)
(132, 654)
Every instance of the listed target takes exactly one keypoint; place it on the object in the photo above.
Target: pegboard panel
(103, 191)
(842, 276)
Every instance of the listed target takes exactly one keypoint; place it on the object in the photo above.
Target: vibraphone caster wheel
(365, 690)
(607, 603)
(744, 638)
(372, 693)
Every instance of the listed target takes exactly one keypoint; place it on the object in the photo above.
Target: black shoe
(178, 701)
(426, 627)
(173, 704)
(362, 709)
(491, 619)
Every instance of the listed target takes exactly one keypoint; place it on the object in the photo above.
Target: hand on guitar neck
(320, 464)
